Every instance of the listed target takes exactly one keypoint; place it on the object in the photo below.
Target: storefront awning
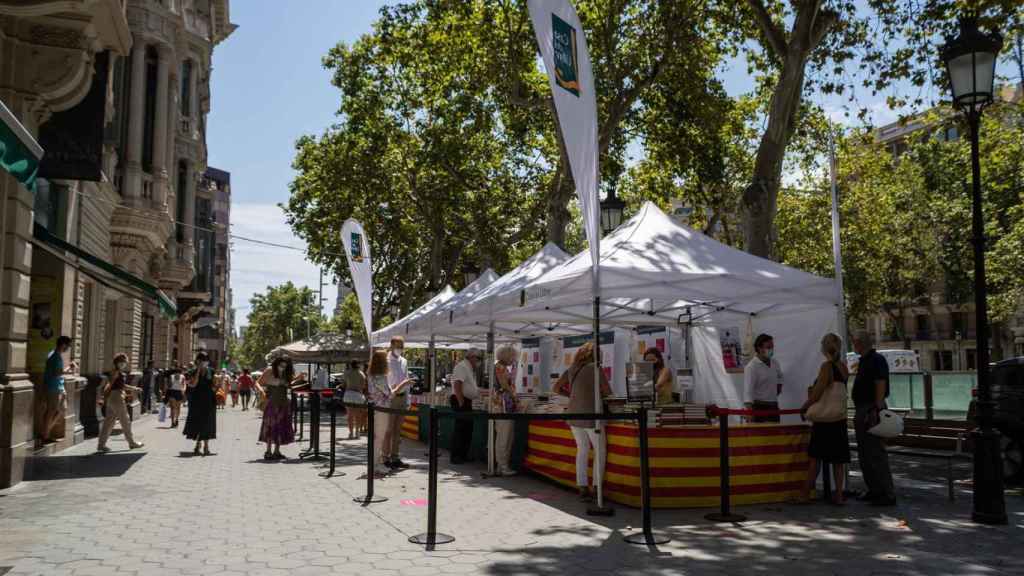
(168, 307)
(19, 151)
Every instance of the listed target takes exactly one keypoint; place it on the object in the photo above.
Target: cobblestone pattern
(164, 512)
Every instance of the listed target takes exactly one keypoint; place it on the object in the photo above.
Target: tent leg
(600, 509)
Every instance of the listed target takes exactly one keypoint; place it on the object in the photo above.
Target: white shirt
(398, 370)
(761, 382)
(321, 380)
(465, 373)
(177, 382)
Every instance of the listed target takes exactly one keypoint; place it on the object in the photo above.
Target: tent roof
(654, 270)
(507, 291)
(401, 326)
(322, 348)
(428, 323)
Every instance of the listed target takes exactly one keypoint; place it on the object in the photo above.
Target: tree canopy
(280, 315)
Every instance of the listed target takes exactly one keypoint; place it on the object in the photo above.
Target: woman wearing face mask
(277, 415)
(662, 375)
(113, 398)
(201, 423)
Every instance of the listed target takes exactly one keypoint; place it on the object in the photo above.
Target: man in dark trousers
(870, 389)
(464, 391)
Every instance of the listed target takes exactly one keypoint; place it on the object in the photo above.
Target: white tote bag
(163, 413)
(890, 425)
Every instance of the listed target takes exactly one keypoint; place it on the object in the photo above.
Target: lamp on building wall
(612, 208)
(970, 60)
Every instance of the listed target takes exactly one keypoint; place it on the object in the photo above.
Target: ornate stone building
(100, 244)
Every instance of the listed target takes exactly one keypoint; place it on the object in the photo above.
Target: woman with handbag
(826, 409)
(578, 384)
(115, 404)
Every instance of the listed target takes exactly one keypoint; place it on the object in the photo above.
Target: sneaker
(396, 463)
(103, 449)
(508, 472)
(136, 445)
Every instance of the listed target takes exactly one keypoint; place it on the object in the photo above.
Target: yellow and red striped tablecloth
(768, 462)
(411, 426)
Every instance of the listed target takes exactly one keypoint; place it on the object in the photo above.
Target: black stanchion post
(295, 409)
(725, 515)
(334, 429)
(647, 537)
(369, 498)
(432, 538)
(313, 452)
(302, 416)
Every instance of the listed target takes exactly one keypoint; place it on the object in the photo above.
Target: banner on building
(357, 252)
(567, 60)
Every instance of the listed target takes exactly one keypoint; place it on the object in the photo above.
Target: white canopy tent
(403, 326)
(656, 271)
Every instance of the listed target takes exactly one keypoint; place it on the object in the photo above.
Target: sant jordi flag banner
(357, 252)
(567, 60)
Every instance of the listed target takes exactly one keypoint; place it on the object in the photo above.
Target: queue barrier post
(369, 498)
(334, 429)
(647, 536)
(725, 513)
(431, 538)
(313, 452)
(302, 416)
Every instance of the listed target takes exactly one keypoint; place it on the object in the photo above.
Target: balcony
(178, 268)
(197, 24)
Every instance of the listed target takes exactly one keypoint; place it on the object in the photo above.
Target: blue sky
(268, 89)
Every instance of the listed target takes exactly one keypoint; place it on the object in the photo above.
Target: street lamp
(970, 60)
(611, 212)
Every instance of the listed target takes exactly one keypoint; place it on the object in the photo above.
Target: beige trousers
(504, 432)
(116, 409)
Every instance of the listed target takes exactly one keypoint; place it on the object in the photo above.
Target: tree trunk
(761, 196)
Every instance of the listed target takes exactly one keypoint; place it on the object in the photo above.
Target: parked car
(1007, 381)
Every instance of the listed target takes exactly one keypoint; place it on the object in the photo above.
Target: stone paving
(161, 511)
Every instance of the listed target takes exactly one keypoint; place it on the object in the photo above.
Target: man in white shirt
(464, 391)
(398, 372)
(762, 379)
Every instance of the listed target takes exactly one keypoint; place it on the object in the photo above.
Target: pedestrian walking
(175, 394)
(232, 389)
(830, 443)
(276, 429)
(220, 387)
(464, 391)
(56, 397)
(870, 389)
(113, 399)
(245, 386)
(504, 402)
(201, 422)
(578, 384)
(148, 388)
(355, 393)
(398, 372)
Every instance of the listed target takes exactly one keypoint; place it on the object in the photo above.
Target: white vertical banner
(357, 252)
(567, 60)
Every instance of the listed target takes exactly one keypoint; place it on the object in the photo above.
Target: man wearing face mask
(762, 379)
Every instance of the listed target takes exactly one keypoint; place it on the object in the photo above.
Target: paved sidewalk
(161, 511)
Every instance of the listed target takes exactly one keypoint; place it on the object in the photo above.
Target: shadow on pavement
(108, 465)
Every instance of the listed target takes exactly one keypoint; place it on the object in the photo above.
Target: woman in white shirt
(175, 395)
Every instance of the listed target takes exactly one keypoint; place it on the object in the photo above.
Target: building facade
(101, 247)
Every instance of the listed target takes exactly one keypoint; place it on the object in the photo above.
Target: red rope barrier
(714, 411)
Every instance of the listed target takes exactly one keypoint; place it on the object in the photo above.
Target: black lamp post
(970, 60)
(611, 212)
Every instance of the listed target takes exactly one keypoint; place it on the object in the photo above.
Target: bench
(947, 455)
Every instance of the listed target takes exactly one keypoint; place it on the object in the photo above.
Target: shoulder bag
(831, 407)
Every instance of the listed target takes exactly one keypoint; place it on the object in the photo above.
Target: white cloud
(255, 266)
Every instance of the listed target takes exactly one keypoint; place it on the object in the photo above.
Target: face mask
(204, 364)
(397, 351)
(769, 353)
(120, 366)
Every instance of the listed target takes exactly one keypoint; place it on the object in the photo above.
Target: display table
(416, 428)
(768, 462)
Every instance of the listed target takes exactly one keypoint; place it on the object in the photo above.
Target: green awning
(19, 152)
(168, 307)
